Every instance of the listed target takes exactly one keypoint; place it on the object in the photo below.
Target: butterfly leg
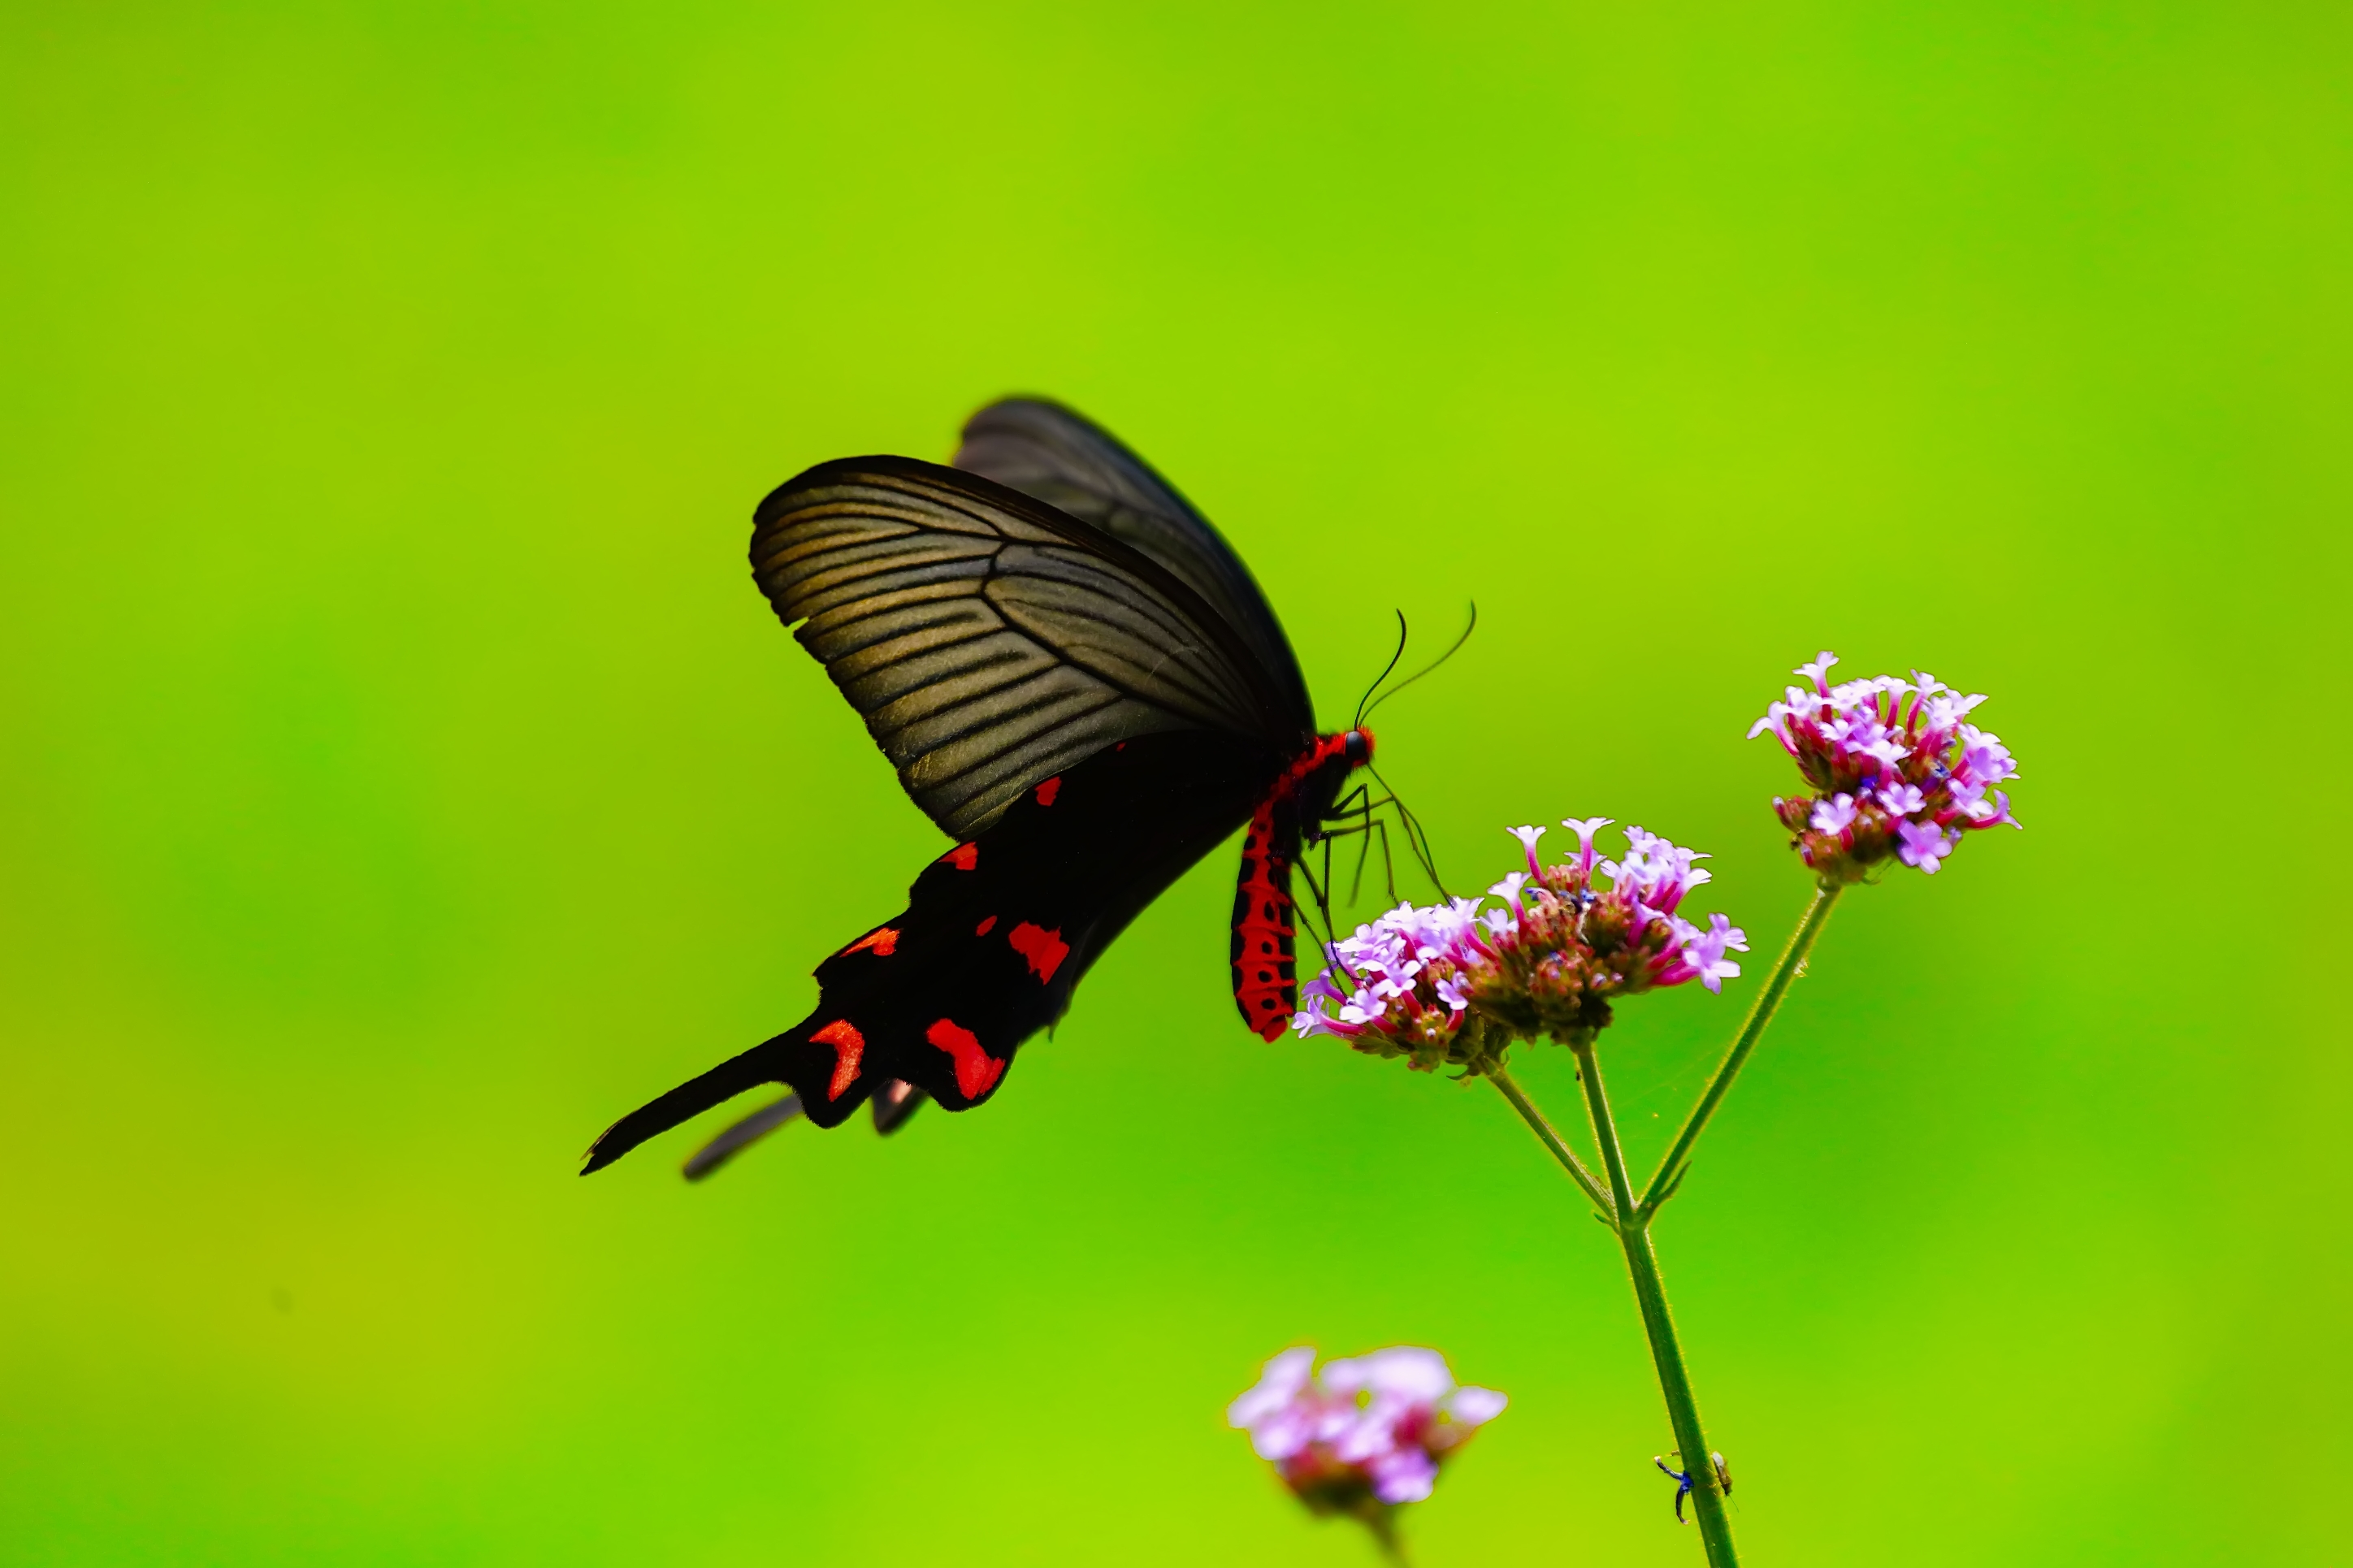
(1416, 838)
(1369, 830)
(1363, 799)
(1324, 943)
(1360, 804)
(1322, 901)
(1374, 828)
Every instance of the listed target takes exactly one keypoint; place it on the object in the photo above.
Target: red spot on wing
(985, 927)
(1044, 948)
(963, 857)
(884, 942)
(1049, 790)
(976, 1071)
(849, 1050)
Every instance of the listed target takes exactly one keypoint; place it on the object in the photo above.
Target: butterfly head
(1357, 746)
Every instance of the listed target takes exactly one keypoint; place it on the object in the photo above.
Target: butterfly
(1078, 682)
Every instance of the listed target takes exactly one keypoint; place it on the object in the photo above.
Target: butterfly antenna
(1456, 647)
(1375, 686)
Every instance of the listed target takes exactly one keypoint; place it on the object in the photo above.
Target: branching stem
(1651, 1295)
(1629, 1217)
(1553, 1143)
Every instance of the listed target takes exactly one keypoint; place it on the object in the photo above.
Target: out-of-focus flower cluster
(1896, 767)
(1454, 983)
(1367, 1433)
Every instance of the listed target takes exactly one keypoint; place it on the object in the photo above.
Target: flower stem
(1752, 1029)
(1633, 1229)
(1631, 1218)
(1381, 1520)
(1552, 1140)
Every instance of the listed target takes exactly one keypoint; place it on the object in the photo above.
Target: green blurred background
(402, 777)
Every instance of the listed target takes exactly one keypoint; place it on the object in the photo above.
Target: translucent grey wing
(1066, 461)
(893, 1102)
(989, 640)
(741, 1136)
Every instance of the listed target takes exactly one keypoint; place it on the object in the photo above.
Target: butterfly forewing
(989, 640)
(1065, 459)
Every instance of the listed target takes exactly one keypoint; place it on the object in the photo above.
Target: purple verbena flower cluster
(1368, 1432)
(1401, 978)
(1897, 769)
(1454, 983)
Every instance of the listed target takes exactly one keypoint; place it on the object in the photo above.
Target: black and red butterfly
(1078, 682)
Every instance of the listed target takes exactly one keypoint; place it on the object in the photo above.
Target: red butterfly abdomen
(1264, 984)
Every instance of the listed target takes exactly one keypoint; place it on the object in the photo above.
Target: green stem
(1381, 1520)
(1552, 1140)
(1651, 1295)
(1752, 1029)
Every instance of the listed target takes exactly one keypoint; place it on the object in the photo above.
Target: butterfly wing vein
(987, 641)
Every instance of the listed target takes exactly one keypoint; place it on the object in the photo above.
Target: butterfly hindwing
(995, 936)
